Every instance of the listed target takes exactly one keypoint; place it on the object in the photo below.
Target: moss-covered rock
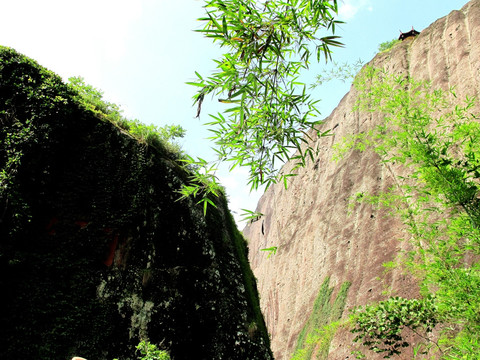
(96, 252)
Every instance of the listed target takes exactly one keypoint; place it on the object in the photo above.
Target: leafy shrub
(387, 45)
(151, 352)
(380, 326)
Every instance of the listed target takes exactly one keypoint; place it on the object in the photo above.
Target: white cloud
(66, 35)
(349, 8)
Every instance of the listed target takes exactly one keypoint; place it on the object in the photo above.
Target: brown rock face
(308, 222)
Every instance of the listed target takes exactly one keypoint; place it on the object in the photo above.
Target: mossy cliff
(96, 252)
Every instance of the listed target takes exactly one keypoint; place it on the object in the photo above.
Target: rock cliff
(96, 252)
(328, 260)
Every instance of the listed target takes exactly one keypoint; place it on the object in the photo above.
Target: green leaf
(268, 46)
(271, 251)
(195, 84)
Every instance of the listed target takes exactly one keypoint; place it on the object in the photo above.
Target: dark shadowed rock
(96, 252)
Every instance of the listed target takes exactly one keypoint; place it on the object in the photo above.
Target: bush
(387, 45)
(150, 352)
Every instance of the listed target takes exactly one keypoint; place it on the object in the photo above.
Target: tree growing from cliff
(436, 138)
(271, 114)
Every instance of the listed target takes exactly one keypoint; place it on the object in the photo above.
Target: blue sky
(140, 53)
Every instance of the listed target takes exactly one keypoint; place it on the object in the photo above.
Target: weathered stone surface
(309, 224)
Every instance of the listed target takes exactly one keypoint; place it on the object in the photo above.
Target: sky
(141, 53)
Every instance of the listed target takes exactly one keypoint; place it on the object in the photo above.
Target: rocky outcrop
(96, 251)
(309, 222)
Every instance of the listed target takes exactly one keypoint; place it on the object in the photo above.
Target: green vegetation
(436, 138)
(151, 352)
(387, 45)
(92, 100)
(269, 44)
(322, 324)
(347, 71)
(28, 89)
(202, 182)
(271, 251)
(380, 326)
(344, 72)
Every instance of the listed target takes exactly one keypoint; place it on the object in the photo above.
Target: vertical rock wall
(96, 252)
(309, 224)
